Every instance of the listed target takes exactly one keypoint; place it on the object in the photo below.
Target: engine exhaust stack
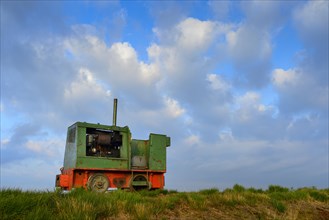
(115, 104)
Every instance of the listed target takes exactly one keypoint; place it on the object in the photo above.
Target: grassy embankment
(237, 203)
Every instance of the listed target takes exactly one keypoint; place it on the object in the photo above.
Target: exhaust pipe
(115, 103)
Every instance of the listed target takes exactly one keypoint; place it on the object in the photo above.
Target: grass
(237, 203)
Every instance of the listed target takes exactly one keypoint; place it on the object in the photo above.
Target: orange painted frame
(77, 178)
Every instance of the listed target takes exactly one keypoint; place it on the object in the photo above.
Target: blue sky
(241, 87)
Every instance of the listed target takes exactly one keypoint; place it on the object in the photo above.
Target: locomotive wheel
(139, 179)
(98, 183)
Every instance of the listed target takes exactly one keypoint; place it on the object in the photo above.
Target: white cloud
(47, 148)
(249, 99)
(4, 142)
(250, 50)
(252, 119)
(117, 66)
(150, 73)
(226, 135)
(249, 44)
(218, 83)
(192, 35)
(173, 108)
(183, 61)
(192, 140)
(195, 34)
(125, 69)
(249, 106)
(284, 78)
(299, 91)
(312, 20)
(84, 88)
(124, 52)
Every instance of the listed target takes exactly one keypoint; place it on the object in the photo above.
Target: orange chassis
(121, 179)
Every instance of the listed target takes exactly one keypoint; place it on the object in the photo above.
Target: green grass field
(237, 203)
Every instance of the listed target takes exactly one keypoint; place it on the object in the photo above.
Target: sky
(241, 87)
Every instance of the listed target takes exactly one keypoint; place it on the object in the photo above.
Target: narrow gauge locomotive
(99, 157)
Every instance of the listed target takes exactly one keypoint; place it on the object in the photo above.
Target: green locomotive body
(99, 157)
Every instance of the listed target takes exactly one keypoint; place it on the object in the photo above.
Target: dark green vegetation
(237, 203)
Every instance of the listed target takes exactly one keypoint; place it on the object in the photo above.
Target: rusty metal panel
(139, 154)
(139, 162)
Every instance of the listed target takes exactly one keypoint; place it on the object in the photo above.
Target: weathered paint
(70, 157)
(102, 163)
(144, 158)
(75, 150)
(77, 178)
(139, 154)
(158, 144)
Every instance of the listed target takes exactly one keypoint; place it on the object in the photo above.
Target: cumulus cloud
(173, 107)
(299, 92)
(311, 20)
(252, 61)
(194, 34)
(283, 78)
(29, 141)
(218, 83)
(84, 87)
(116, 65)
(249, 46)
(184, 64)
(248, 112)
(48, 148)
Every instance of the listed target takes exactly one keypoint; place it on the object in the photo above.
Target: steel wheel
(98, 182)
(139, 178)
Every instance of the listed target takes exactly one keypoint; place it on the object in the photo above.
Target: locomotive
(102, 157)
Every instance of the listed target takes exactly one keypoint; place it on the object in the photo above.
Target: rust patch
(119, 182)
